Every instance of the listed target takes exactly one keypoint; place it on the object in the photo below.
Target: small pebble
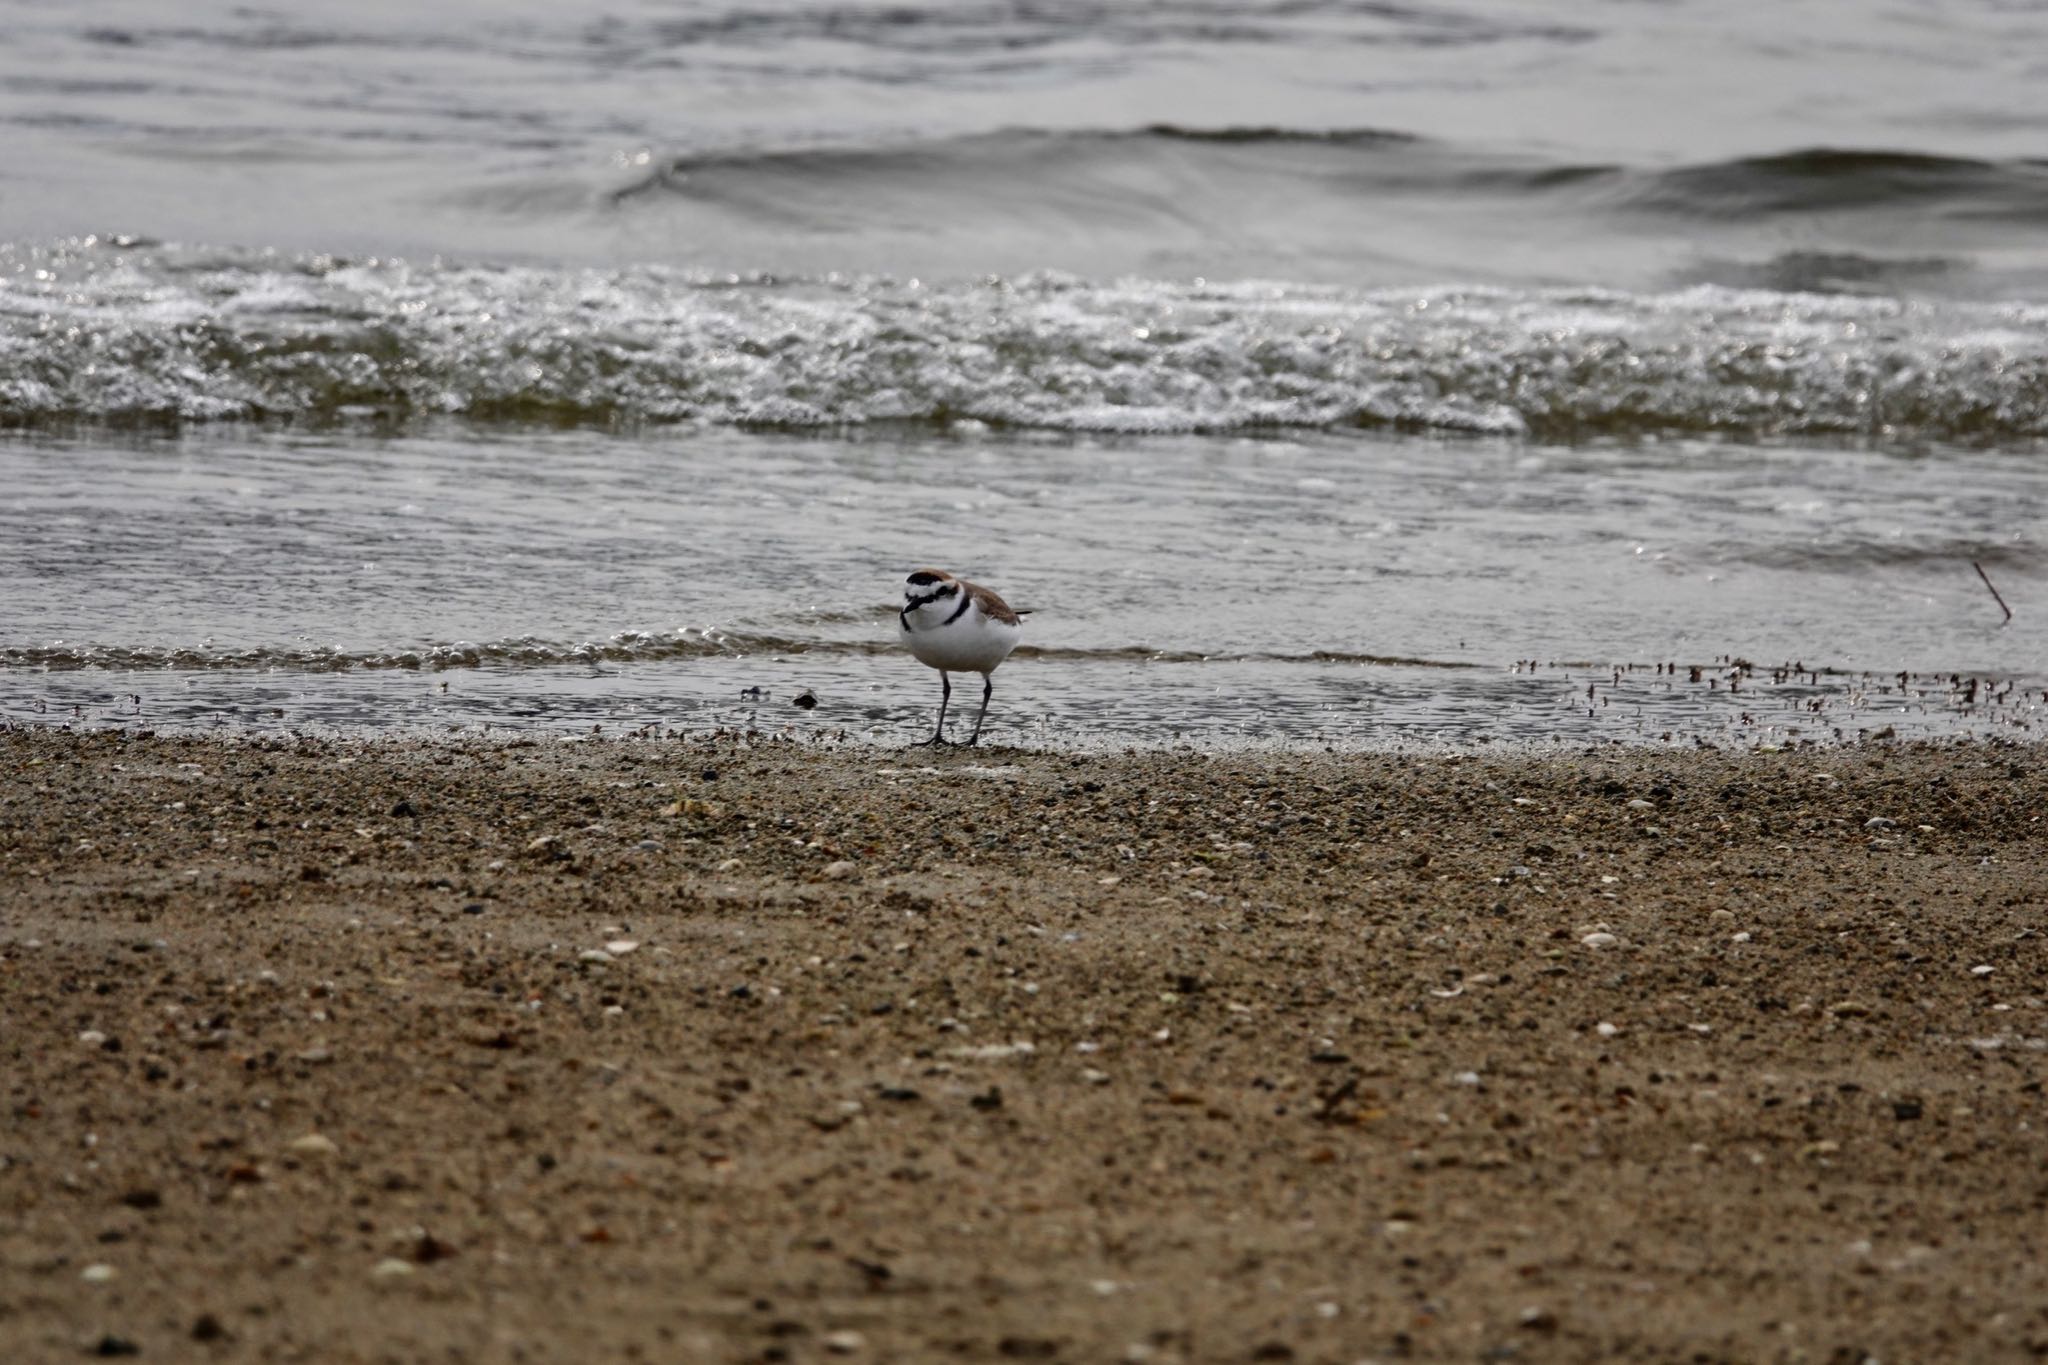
(1983, 969)
(594, 955)
(92, 1037)
(841, 870)
(314, 1144)
(1605, 1029)
(391, 1268)
(1600, 939)
(619, 947)
(845, 1342)
(99, 1273)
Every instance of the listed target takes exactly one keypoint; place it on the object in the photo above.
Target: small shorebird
(957, 626)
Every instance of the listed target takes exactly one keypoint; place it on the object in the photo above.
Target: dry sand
(318, 1052)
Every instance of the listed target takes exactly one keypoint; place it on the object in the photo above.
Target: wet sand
(731, 1051)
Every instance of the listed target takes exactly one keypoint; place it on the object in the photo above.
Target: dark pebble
(111, 1345)
(430, 1249)
(208, 1328)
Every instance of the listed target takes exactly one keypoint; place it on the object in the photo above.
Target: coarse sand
(727, 1049)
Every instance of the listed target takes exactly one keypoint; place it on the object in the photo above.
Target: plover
(960, 627)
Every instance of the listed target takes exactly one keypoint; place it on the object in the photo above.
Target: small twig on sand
(1994, 591)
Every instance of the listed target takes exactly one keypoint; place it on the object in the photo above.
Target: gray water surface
(1332, 588)
(1317, 373)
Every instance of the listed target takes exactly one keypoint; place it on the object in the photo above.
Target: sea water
(1331, 374)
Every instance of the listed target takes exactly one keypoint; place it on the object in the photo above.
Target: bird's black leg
(988, 685)
(945, 695)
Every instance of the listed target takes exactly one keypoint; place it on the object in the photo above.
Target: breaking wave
(101, 332)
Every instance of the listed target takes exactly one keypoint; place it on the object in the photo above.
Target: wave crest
(94, 334)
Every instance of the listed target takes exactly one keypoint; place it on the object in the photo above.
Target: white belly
(974, 645)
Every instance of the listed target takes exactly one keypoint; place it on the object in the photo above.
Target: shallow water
(1318, 374)
(1334, 588)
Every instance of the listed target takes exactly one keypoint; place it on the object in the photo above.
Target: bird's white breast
(971, 643)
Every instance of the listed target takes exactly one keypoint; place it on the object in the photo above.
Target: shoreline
(773, 1051)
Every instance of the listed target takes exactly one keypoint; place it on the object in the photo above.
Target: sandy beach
(736, 1050)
